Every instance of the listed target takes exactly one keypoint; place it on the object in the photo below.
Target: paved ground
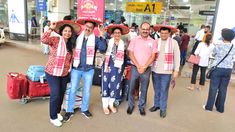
(185, 113)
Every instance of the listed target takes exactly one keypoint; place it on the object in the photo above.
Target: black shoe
(162, 113)
(87, 114)
(142, 112)
(129, 110)
(67, 116)
(153, 109)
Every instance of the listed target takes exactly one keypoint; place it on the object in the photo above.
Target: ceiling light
(185, 0)
(111, 4)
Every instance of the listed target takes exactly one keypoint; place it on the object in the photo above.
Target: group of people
(72, 59)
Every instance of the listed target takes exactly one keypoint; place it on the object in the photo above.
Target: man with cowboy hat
(165, 67)
(83, 65)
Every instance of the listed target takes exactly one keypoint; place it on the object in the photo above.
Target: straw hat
(76, 27)
(125, 29)
(82, 21)
(158, 27)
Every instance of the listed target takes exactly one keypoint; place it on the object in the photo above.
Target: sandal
(106, 111)
(190, 88)
(113, 109)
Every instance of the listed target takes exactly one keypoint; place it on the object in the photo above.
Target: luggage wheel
(23, 100)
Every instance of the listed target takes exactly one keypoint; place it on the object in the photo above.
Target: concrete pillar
(57, 9)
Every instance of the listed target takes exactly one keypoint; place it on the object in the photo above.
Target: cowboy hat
(158, 27)
(125, 29)
(75, 26)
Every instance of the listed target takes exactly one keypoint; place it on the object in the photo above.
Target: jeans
(218, 89)
(202, 75)
(161, 83)
(144, 84)
(183, 57)
(76, 76)
(58, 86)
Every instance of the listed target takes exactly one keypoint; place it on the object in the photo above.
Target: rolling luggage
(16, 85)
(97, 76)
(37, 89)
(35, 72)
(78, 100)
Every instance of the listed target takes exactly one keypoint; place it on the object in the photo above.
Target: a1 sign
(144, 7)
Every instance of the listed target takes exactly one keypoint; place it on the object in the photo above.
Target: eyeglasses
(116, 32)
(145, 29)
(90, 27)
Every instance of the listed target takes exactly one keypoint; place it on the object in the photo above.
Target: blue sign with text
(41, 5)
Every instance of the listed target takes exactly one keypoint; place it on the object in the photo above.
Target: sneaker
(60, 117)
(56, 122)
(87, 114)
(162, 113)
(154, 108)
(67, 116)
(204, 107)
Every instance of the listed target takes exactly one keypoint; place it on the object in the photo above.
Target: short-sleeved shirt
(143, 49)
(220, 51)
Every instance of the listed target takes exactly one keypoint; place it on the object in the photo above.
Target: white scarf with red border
(60, 55)
(119, 55)
(168, 61)
(90, 49)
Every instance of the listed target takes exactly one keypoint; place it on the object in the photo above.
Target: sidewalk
(36, 46)
(30, 45)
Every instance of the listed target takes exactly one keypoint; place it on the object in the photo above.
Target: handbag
(208, 74)
(194, 59)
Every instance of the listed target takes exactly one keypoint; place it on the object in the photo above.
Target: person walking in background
(142, 51)
(113, 67)
(177, 37)
(220, 77)
(34, 25)
(46, 49)
(203, 50)
(184, 46)
(61, 38)
(198, 38)
(153, 34)
(83, 65)
(132, 32)
(165, 68)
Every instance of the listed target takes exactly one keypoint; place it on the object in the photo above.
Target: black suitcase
(97, 76)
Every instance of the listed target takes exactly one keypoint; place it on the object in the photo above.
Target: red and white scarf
(90, 49)
(119, 55)
(168, 61)
(60, 56)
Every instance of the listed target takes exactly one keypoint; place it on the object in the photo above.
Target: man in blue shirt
(83, 66)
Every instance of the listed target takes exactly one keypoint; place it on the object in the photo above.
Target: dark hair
(72, 40)
(94, 24)
(203, 26)
(185, 30)
(208, 39)
(208, 26)
(117, 28)
(68, 17)
(112, 21)
(165, 28)
(228, 34)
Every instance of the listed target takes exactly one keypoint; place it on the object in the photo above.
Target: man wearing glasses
(142, 51)
(83, 65)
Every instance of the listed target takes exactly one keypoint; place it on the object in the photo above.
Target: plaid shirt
(53, 43)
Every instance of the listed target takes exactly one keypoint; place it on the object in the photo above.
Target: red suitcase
(16, 85)
(37, 89)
